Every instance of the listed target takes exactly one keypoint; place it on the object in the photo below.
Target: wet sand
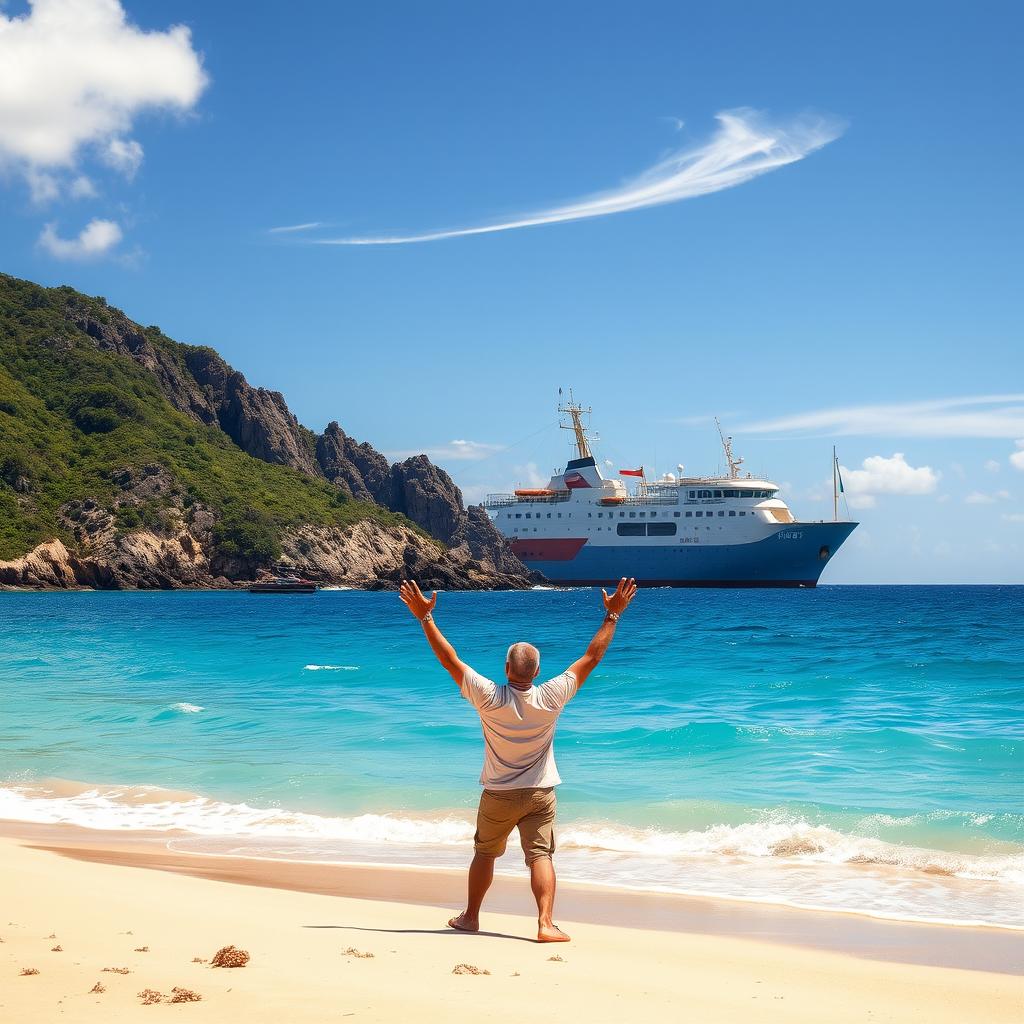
(111, 901)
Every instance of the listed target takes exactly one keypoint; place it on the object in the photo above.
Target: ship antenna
(576, 412)
(732, 460)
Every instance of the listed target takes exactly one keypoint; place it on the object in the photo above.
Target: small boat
(285, 580)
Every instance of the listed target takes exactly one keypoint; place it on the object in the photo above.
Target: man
(519, 774)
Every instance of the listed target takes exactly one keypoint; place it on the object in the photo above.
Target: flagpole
(835, 493)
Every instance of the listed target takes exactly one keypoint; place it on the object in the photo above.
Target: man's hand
(619, 601)
(414, 600)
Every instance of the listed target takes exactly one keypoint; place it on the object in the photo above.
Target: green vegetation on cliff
(72, 415)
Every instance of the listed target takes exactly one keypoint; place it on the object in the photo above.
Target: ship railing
(652, 499)
(504, 500)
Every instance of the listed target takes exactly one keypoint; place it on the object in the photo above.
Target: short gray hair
(523, 661)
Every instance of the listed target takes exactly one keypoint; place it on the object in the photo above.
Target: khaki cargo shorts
(501, 810)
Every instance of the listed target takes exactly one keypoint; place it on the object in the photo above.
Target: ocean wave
(330, 668)
(777, 835)
(186, 708)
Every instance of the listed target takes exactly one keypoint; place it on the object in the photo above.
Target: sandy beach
(76, 905)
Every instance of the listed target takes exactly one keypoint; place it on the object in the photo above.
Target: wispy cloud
(744, 146)
(1017, 458)
(287, 228)
(973, 416)
(982, 498)
(459, 451)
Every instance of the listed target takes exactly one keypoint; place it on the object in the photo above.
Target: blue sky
(855, 294)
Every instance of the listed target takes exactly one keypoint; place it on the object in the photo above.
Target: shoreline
(92, 934)
(980, 948)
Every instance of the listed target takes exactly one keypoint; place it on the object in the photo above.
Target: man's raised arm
(614, 607)
(423, 609)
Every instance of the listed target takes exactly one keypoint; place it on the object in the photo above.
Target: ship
(584, 529)
(285, 580)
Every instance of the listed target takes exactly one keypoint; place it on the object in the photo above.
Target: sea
(852, 749)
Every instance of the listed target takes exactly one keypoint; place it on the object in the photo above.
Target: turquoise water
(849, 747)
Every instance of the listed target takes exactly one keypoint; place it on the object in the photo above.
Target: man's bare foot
(461, 923)
(551, 933)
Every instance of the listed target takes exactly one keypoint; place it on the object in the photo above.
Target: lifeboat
(534, 492)
(614, 500)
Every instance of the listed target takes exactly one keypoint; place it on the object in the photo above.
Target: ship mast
(577, 412)
(732, 460)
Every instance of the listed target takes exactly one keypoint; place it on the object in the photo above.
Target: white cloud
(981, 498)
(1017, 458)
(972, 416)
(42, 187)
(74, 74)
(881, 475)
(744, 147)
(1013, 517)
(82, 188)
(992, 465)
(96, 239)
(124, 155)
(459, 450)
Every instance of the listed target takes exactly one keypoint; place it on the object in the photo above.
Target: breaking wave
(775, 835)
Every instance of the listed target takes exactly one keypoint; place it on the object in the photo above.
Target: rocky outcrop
(257, 420)
(358, 469)
(368, 555)
(428, 496)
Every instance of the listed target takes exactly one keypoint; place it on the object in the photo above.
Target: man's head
(522, 663)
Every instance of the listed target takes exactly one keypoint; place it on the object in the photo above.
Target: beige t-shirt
(519, 729)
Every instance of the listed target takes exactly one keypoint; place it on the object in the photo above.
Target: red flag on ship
(632, 472)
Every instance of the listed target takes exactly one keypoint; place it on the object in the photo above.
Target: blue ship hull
(794, 556)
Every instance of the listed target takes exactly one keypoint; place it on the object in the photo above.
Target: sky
(422, 220)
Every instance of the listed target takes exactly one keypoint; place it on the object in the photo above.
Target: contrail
(743, 147)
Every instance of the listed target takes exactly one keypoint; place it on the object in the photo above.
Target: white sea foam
(188, 709)
(776, 836)
(330, 668)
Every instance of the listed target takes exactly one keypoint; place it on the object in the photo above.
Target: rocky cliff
(145, 525)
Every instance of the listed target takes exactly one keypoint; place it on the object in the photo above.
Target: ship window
(676, 514)
(527, 515)
(549, 515)
(642, 514)
(630, 529)
(632, 515)
(721, 514)
(559, 515)
(742, 513)
(661, 529)
(693, 494)
(688, 515)
(519, 515)
(731, 512)
(590, 515)
(699, 514)
(718, 494)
